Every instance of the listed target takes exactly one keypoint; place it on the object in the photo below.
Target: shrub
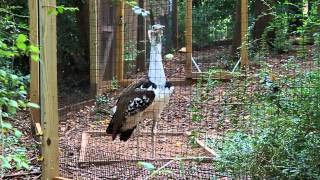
(283, 140)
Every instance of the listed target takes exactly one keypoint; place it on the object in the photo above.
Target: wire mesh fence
(203, 118)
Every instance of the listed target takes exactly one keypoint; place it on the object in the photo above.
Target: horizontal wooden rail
(60, 178)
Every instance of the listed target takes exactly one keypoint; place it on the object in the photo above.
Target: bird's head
(156, 33)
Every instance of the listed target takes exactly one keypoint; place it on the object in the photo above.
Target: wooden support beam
(110, 161)
(119, 40)
(175, 30)
(188, 37)
(84, 142)
(49, 98)
(39, 129)
(244, 34)
(88, 134)
(93, 39)
(60, 178)
(34, 66)
(223, 75)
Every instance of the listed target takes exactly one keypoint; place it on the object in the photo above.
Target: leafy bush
(283, 140)
(13, 46)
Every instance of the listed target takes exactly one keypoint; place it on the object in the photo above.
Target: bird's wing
(131, 101)
(133, 86)
(137, 101)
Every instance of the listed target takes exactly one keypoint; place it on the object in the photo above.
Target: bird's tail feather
(125, 135)
(114, 130)
(109, 129)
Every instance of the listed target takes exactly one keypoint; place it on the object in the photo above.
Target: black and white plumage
(145, 98)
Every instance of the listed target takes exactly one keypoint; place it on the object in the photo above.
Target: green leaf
(14, 77)
(12, 110)
(25, 165)
(21, 38)
(52, 11)
(35, 57)
(2, 73)
(13, 103)
(21, 46)
(5, 163)
(33, 105)
(169, 56)
(34, 49)
(60, 9)
(17, 133)
(148, 166)
(4, 114)
(6, 125)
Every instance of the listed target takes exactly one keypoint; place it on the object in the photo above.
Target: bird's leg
(138, 138)
(153, 131)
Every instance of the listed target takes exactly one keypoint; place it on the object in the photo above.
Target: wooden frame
(188, 37)
(100, 86)
(120, 40)
(244, 34)
(48, 69)
(48, 85)
(93, 30)
(88, 134)
(34, 66)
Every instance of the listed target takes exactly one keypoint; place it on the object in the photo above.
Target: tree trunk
(319, 10)
(83, 25)
(141, 41)
(263, 18)
(236, 43)
(175, 24)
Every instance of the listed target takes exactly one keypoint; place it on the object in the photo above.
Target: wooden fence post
(244, 34)
(188, 37)
(120, 40)
(34, 66)
(49, 99)
(93, 39)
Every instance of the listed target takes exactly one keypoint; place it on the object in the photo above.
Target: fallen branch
(10, 176)
(203, 145)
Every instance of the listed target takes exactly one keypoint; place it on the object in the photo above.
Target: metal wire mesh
(199, 114)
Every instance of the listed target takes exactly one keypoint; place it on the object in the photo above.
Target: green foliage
(212, 20)
(130, 51)
(310, 25)
(280, 27)
(114, 84)
(290, 21)
(14, 155)
(148, 166)
(62, 9)
(14, 46)
(316, 52)
(103, 104)
(283, 138)
(152, 169)
(102, 100)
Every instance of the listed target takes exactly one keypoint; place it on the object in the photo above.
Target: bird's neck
(156, 71)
